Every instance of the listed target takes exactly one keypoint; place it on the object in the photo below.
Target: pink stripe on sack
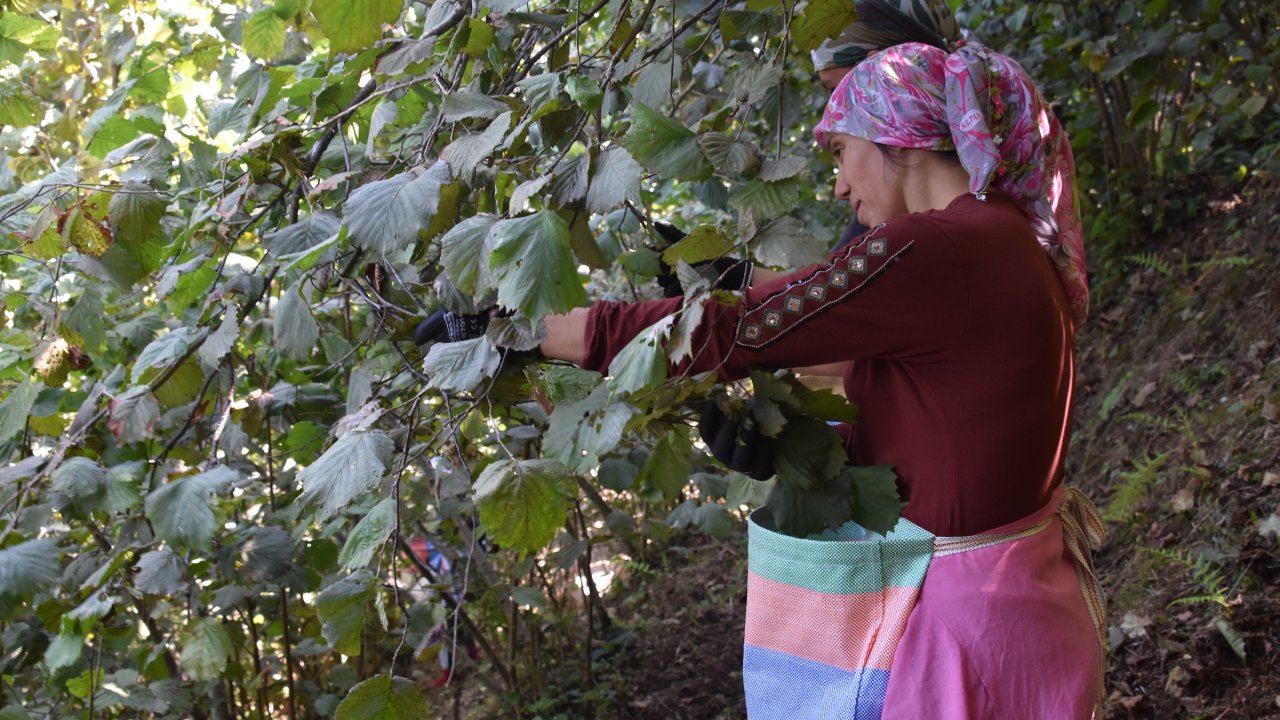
(850, 632)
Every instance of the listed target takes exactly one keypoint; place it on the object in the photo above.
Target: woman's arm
(760, 276)
(564, 335)
(829, 370)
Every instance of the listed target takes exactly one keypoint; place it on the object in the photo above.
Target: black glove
(447, 326)
(723, 273)
(737, 444)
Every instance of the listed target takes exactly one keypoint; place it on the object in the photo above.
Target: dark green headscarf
(884, 23)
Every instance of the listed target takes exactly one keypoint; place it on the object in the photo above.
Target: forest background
(218, 442)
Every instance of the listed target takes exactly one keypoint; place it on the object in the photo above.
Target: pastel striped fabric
(824, 616)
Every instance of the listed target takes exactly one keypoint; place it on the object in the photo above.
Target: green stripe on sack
(847, 561)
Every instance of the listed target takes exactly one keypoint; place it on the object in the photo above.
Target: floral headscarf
(885, 23)
(984, 106)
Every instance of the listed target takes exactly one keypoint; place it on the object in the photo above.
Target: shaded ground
(1178, 441)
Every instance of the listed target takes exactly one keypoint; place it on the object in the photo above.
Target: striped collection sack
(824, 617)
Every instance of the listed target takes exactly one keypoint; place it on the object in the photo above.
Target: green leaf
(467, 104)
(353, 25)
(680, 345)
(524, 191)
(821, 20)
(180, 512)
(876, 504)
(767, 199)
(151, 83)
(479, 37)
(369, 535)
(753, 83)
(803, 512)
(348, 469)
(534, 264)
(1253, 105)
(341, 609)
(541, 93)
(617, 474)
(263, 34)
(267, 556)
(585, 92)
(664, 146)
(808, 452)
(385, 216)
(384, 114)
(580, 432)
(162, 351)
(113, 133)
(642, 364)
(714, 519)
(467, 152)
(704, 243)
(136, 211)
(668, 467)
(64, 651)
(522, 502)
(78, 483)
(585, 247)
(826, 405)
(21, 33)
(463, 247)
(17, 106)
(219, 342)
(85, 319)
(383, 697)
(726, 154)
(206, 647)
(159, 572)
(294, 329)
(652, 86)
(133, 415)
(28, 567)
(783, 168)
(303, 235)
(461, 365)
(615, 180)
(785, 243)
(570, 183)
(15, 408)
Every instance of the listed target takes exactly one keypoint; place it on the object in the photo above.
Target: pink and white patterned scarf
(984, 106)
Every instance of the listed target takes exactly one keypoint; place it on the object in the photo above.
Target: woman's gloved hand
(447, 326)
(723, 273)
(736, 443)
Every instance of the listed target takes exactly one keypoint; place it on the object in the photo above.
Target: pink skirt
(998, 632)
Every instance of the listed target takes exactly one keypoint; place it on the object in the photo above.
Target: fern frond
(1150, 260)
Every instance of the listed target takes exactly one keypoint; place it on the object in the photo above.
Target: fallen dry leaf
(1270, 412)
(1184, 500)
(1144, 394)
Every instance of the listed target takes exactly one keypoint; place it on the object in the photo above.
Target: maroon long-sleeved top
(962, 351)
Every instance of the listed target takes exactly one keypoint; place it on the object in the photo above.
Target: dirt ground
(1177, 441)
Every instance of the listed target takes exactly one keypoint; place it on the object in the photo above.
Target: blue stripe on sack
(785, 687)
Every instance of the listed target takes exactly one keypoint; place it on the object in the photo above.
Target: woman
(954, 322)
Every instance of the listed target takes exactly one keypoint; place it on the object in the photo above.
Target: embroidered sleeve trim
(787, 309)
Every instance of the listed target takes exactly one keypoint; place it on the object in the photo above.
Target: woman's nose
(842, 187)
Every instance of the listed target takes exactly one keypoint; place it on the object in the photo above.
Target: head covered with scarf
(984, 106)
(884, 23)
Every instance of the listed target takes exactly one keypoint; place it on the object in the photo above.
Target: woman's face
(872, 186)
